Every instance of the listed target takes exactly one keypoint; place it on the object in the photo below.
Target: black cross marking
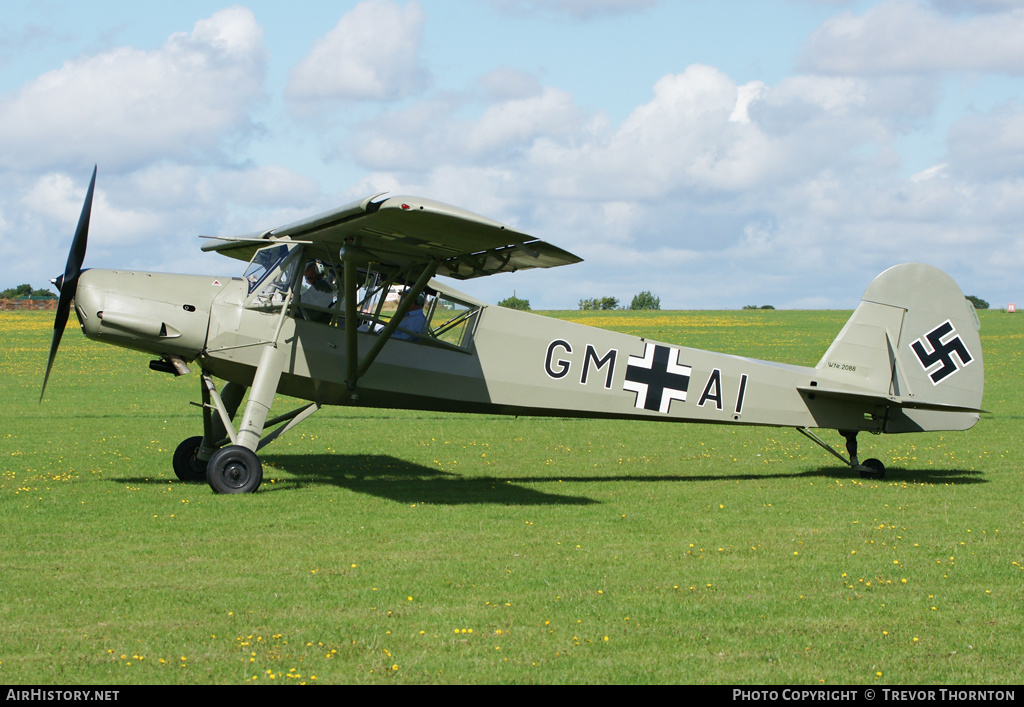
(657, 378)
(941, 352)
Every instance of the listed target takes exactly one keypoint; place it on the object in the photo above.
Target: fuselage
(511, 362)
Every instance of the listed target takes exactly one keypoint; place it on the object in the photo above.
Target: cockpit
(300, 283)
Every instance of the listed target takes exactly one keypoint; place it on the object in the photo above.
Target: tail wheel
(187, 465)
(234, 469)
(872, 469)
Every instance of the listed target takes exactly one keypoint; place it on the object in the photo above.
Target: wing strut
(351, 292)
(353, 371)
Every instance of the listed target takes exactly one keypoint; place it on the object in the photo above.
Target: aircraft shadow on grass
(403, 481)
(407, 482)
(899, 475)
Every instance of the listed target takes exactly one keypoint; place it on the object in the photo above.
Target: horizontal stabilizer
(868, 399)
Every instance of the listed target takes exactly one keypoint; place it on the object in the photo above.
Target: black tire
(873, 469)
(187, 465)
(234, 469)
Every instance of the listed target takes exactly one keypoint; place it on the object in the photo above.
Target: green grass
(394, 546)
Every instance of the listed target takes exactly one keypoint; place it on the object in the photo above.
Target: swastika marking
(940, 359)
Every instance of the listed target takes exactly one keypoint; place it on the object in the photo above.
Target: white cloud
(519, 121)
(933, 172)
(411, 139)
(710, 193)
(371, 54)
(430, 133)
(989, 146)
(269, 186)
(755, 192)
(904, 36)
(148, 219)
(684, 140)
(701, 140)
(55, 198)
(576, 9)
(508, 83)
(747, 94)
(126, 107)
(54, 202)
(975, 5)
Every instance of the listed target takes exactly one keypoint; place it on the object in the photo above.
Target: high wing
(403, 230)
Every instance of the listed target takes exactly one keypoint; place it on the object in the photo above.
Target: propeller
(68, 282)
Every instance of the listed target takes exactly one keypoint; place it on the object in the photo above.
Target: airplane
(345, 308)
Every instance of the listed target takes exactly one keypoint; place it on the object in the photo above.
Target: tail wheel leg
(871, 468)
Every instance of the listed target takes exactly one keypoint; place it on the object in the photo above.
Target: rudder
(914, 337)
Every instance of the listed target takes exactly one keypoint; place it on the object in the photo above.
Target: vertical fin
(913, 336)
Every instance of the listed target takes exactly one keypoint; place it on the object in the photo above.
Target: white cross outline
(647, 361)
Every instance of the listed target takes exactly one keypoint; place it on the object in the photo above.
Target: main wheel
(234, 469)
(872, 469)
(187, 465)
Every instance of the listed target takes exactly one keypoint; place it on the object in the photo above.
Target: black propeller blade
(68, 282)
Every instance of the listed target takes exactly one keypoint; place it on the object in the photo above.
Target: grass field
(390, 546)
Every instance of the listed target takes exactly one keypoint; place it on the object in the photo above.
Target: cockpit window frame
(270, 290)
(282, 277)
(371, 309)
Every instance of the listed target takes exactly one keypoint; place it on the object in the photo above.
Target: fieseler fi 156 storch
(344, 309)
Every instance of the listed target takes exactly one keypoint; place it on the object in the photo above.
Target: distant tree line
(642, 300)
(645, 300)
(514, 302)
(600, 303)
(25, 291)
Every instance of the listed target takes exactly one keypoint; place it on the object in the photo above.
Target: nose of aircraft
(88, 301)
(154, 312)
(167, 315)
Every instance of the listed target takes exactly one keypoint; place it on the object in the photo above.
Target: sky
(717, 153)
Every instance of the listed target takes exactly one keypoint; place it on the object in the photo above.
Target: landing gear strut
(870, 469)
(224, 457)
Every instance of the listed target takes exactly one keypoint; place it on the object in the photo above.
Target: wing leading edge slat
(402, 230)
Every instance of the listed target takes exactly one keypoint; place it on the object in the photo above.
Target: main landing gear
(223, 457)
(231, 469)
(869, 469)
(234, 469)
(187, 464)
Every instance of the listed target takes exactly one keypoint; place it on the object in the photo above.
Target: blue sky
(717, 153)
